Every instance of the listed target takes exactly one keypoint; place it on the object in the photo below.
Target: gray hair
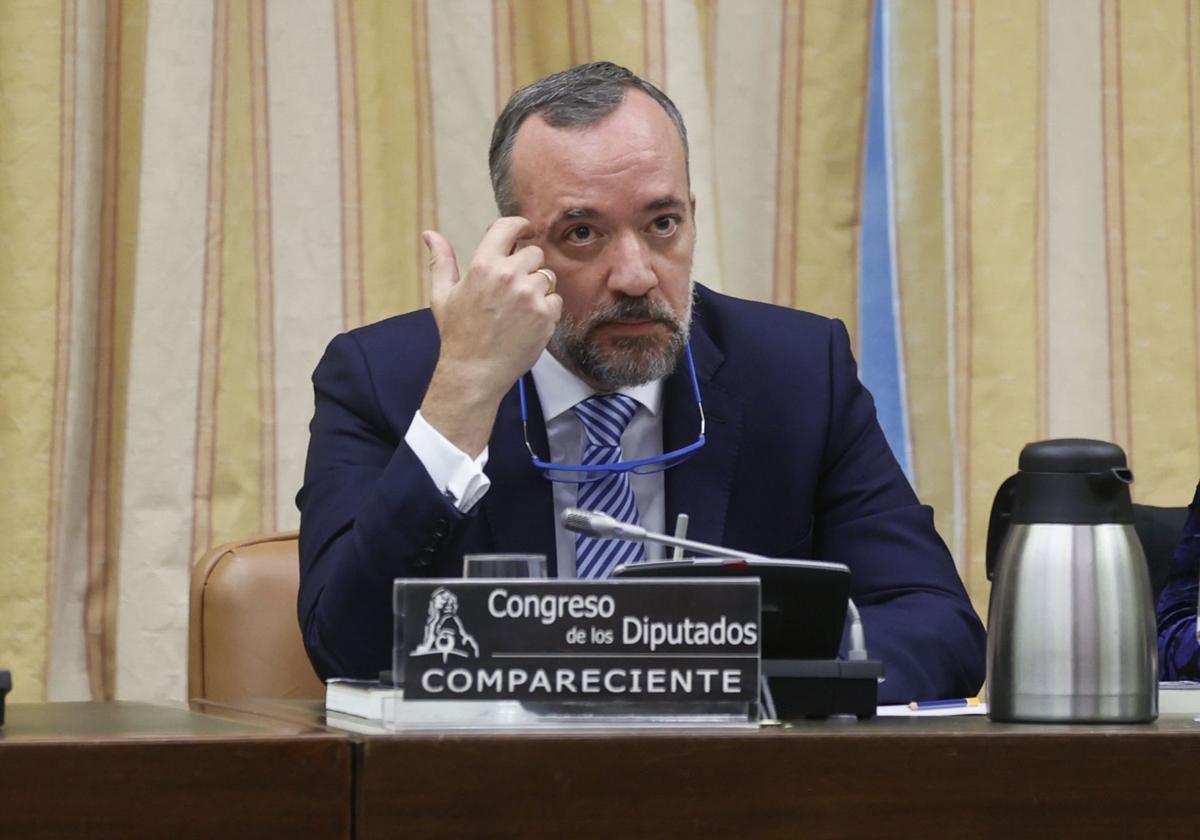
(580, 96)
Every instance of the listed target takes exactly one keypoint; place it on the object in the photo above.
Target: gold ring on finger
(551, 279)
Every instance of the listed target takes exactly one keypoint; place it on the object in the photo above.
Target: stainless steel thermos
(1071, 631)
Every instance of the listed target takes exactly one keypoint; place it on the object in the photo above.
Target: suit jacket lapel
(701, 486)
(521, 514)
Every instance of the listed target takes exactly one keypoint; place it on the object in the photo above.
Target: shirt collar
(559, 390)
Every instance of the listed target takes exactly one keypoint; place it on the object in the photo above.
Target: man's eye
(580, 233)
(665, 225)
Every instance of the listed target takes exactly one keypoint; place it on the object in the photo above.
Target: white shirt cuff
(456, 474)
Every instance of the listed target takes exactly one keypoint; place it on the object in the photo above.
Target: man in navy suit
(419, 454)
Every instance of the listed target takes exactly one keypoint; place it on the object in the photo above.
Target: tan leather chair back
(243, 634)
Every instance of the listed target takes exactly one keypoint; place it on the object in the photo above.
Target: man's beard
(628, 359)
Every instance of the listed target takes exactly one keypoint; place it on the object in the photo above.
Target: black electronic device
(804, 608)
(803, 601)
(804, 605)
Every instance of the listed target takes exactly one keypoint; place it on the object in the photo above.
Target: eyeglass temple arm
(687, 352)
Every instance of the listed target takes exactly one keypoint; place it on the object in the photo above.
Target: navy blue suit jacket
(796, 465)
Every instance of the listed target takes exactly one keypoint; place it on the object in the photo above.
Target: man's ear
(692, 202)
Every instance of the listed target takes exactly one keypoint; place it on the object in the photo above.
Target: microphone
(601, 525)
(594, 524)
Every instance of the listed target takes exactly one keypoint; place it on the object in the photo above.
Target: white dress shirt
(462, 478)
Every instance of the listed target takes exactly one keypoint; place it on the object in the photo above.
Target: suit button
(441, 528)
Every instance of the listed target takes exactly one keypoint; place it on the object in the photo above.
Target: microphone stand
(813, 687)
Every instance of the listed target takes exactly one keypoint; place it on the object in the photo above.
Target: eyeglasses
(584, 473)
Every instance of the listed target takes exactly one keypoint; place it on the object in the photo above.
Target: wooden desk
(937, 777)
(126, 770)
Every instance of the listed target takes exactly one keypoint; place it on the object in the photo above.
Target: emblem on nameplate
(444, 634)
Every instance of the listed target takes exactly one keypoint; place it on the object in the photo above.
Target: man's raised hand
(493, 321)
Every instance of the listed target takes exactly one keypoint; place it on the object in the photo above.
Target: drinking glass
(504, 566)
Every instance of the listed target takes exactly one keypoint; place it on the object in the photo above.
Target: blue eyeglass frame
(638, 466)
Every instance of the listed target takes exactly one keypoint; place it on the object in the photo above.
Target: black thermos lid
(1073, 481)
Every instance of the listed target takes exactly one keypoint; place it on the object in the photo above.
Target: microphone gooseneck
(602, 525)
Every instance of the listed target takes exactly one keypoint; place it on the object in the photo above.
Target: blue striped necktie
(604, 419)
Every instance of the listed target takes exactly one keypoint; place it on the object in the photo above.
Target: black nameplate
(635, 641)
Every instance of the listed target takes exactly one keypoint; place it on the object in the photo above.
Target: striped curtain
(1045, 215)
(196, 195)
